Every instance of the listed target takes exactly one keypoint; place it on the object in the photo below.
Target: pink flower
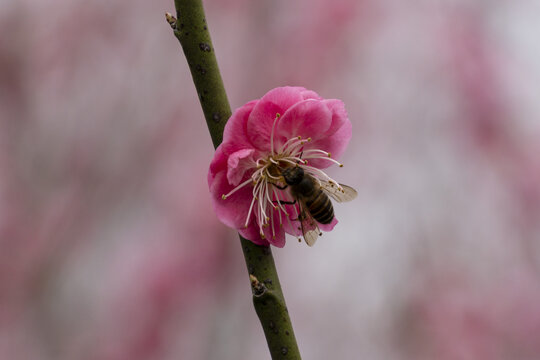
(288, 127)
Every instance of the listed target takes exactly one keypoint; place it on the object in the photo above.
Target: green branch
(191, 29)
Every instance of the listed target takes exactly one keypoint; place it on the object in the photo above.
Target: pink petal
(233, 210)
(308, 118)
(252, 234)
(238, 163)
(218, 164)
(285, 96)
(279, 240)
(339, 115)
(235, 132)
(328, 227)
(261, 119)
(278, 237)
(336, 137)
(334, 144)
(308, 94)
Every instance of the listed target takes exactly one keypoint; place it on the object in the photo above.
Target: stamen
(295, 146)
(297, 160)
(272, 225)
(225, 196)
(272, 134)
(272, 176)
(326, 156)
(261, 203)
(284, 146)
(280, 205)
(315, 171)
(309, 151)
(249, 212)
(267, 193)
(289, 161)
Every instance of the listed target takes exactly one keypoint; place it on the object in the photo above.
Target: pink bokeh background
(109, 249)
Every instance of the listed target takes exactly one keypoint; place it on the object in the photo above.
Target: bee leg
(284, 202)
(280, 187)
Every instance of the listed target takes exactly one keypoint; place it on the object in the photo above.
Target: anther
(223, 197)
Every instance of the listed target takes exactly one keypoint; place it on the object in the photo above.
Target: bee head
(293, 175)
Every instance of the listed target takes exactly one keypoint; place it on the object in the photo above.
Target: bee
(313, 197)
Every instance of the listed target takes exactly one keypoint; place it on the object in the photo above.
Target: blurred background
(109, 249)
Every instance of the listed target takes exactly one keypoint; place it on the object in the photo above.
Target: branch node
(257, 287)
(171, 20)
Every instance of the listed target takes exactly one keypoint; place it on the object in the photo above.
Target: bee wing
(338, 192)
(310, 229)
(311, 235)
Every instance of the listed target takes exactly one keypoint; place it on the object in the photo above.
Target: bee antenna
(300, 159)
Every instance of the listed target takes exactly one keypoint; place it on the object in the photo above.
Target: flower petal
(337, 136)
(238, 163)
(252, 234)
(261, 119)
(218, 164)
(233, 210)
(328, 227)
(235, 133)
(308, 119)
(309, 94)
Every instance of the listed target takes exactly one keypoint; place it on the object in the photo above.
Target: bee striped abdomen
(320, 207)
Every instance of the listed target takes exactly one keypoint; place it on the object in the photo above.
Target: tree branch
(191, 29)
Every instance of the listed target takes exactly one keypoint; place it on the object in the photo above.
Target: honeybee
(313, 197)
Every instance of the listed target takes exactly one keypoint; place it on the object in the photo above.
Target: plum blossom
(287, 127)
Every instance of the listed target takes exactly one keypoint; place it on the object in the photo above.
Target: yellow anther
(223, 197)
(329, 155)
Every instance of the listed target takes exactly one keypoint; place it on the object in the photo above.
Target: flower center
(269, 194)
